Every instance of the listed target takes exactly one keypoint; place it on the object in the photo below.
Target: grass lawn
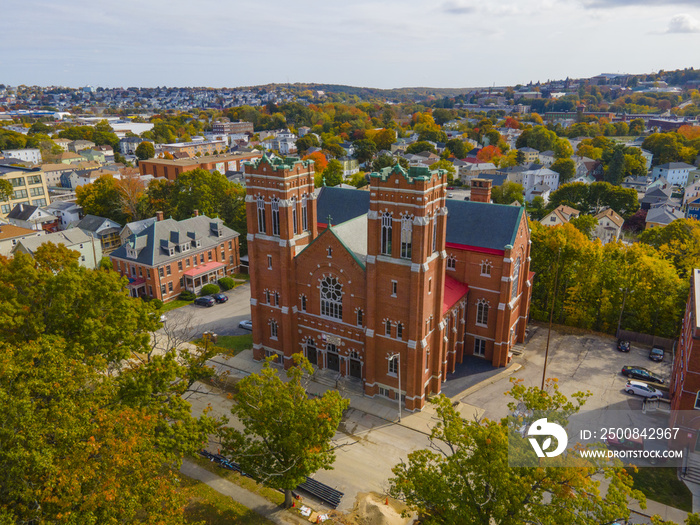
(232, 344)
(177, 303)
(662, 485)
(245, 276)
(269, 494)
(205, 505)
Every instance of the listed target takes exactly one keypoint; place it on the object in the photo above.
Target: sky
(379, 43)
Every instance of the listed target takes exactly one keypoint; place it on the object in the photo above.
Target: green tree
(507, 193)
(365, 150)
(95, 424)
(287, 436)
(102, 198)
(585, 224)
(536, 208)
(615, 171)
(333, 174)
(307, 141)
(678, 243)
(446, 165)
(563, 149)
(637, 127)
(420, 147)
(465, 476)
(145, 151)
(566, 168)
(6, 190)
(384, 161)
(457, 148)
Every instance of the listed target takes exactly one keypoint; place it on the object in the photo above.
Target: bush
(187, 296)
(157, 303)
(209, 289)
(226, 283)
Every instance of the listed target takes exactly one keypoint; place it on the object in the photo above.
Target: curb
(494, 379)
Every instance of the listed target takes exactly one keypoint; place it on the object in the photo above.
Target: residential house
(655, 196)
(128, 145)
(692, 208)
(32, 218)
(192, 148)
(10, 235)
(675, 172)
(350, 166)
(135, 228)
(66, 212)
(540, 189)
(54, 172)
(106, 230)
(531, 154)
(62, 143)
(93, 155)
(560, 215)
(474, 170)
(31, 155)
(547, 158)
(609, 226)
(648, 157)
(79, 145)
(88, 247)
(536, 181)
(169, 256)
(71, 158)
(663, 215)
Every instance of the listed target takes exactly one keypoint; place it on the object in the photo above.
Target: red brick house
(352, 278)
(171, 256)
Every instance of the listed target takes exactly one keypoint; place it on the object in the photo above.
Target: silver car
(642, 389)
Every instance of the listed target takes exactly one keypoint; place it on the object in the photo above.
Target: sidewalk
(256, 503)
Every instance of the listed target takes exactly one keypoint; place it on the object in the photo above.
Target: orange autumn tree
(320, 160)
(488, 154)
(689, 132)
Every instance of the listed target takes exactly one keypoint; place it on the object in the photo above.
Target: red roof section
(199, 270)
(454, 291)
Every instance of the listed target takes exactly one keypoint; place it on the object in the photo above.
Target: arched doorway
(311, 353)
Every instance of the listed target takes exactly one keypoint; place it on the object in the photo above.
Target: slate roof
(137, 227)
(150, 243)
(63, 206)
(341, 204)
(22, 212)
(663, 215)
(95, 224)
(496, 179)
(675, 166)
(480, 224)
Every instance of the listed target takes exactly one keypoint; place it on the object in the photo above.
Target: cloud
(683, 23)
(458, 8)
(603, 4)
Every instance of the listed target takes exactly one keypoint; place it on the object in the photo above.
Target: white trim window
(482, 312)
(294, 215)
(393, 366)
(516, 279)
(273, 329)
(386, 234)
(435, 231)
(406, 236)
(262, 227)
(304, 213)
(275, 206)
(486, 268)
(331, 298)
(451, 262)
(479, 347)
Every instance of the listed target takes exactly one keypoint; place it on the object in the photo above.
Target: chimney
(159, 216)
(481, 190)
(196, 213)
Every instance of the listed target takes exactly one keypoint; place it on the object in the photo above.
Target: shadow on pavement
(471, 371)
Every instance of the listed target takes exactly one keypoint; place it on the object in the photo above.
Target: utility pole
(551, 317)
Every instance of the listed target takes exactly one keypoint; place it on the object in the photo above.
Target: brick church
(362, 281)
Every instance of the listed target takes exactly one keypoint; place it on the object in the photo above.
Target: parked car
(638, 372)
(204, 301)
(623, 345)
(625, 444)
(657, 354)
(642, 389)
(450, 195)
(246, 324)
(220, 298)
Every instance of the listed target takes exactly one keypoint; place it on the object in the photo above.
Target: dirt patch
(372, 509)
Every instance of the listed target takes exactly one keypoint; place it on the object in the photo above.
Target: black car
(220, 298)
(204, 301)
(656, 354)
(623, 345)
(637, 372)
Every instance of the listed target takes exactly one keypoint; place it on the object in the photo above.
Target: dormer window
(172, 251)
(199, 243)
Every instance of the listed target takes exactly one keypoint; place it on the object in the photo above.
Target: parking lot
(580, 362)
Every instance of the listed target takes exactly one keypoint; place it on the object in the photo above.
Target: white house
(10, 235)
(609, 226)
(675, 172)
(89, 247)
(529, 179)
(31, 155)
(30, 217)
(66, 212)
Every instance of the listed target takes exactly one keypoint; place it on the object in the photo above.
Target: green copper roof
(413, 173)
(277, 163)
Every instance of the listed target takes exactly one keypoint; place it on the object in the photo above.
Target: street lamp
(397, 356)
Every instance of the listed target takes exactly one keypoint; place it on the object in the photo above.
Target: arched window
(273, 328)
(304, 213)
(294, 215)
(516, 279)
(486, 268)
(482, 312)
(331, 298)
(399, 331)
(359, 318)
(386, 234)
(406, 236)
(303, 303)
(262, 228)
(451, 262)
(275, 216)
(387, 328)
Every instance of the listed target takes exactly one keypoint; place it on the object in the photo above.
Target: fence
(649, 340)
